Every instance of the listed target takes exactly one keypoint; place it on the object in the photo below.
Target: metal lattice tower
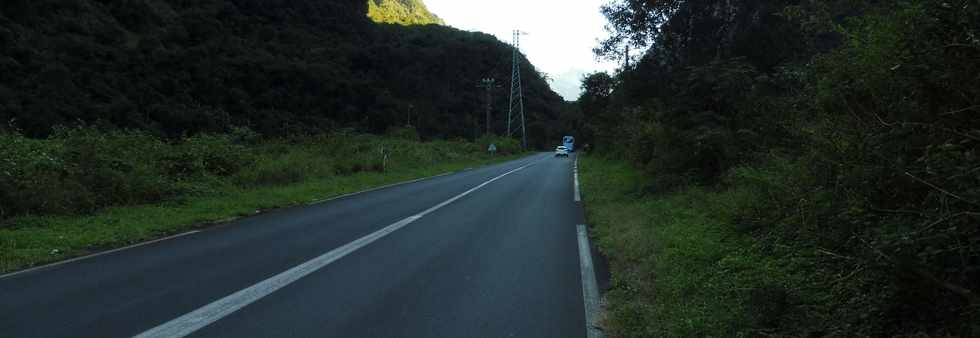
(517, 92)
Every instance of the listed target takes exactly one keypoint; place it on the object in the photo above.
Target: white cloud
(561, 33)
(569, 83)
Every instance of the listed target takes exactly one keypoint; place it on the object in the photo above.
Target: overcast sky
(561, 33)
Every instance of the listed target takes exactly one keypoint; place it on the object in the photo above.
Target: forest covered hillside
(278, 67)
(406, 12)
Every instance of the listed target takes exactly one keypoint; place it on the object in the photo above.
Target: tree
(279, 66)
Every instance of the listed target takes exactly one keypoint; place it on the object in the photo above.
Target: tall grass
(81, 170)
(84, 189)
(680, 265)
(766, 252)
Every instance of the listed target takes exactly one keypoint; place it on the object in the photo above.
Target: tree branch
(961, 45)
(944, 191)
(968, 294)
(960, 110)
(947, 218)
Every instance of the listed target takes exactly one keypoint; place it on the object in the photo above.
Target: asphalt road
(490, 252)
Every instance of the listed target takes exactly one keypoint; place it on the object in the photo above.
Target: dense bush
(406, 133)
(505, 146)
(285, 163)
(853, 137)
(80, 170)
(206, 154)
(710, 280)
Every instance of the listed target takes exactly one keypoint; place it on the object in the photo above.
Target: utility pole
(488, 84)
(409, 123)
(517, 92)
(626, 60)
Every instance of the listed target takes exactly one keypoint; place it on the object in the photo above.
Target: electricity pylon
(517, 92)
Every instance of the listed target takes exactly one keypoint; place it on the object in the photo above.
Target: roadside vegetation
(788, 168)
(681, 265)
(85, 189)
(124, 121)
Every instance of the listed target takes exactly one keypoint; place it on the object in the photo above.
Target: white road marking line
(590, 289)
(52, 265)
(378, 188)
(204, 316)
(44, 267)
(578, 195)
(325, 200)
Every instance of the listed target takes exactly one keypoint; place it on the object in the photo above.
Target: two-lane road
(491, 252)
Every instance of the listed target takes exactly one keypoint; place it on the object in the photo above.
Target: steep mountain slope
(406, 12)
(280, 67)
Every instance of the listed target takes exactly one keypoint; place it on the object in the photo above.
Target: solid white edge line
(325, 200)
(204, 316)
(97, 254)
(71, 260)
(76, 259)
(55, 264)
(321, 201)
(590, 289)
(578, 194)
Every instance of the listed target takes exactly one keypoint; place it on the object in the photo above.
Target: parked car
(561, 151)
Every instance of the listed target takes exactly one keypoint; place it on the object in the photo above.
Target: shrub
(403, 133)
(273, 172)
(282, 163)
(505, 145)
(33, 179)
(118, 167)
(82, 169)
(207, 154)
(244, 136)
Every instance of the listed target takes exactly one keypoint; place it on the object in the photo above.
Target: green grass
(679, 266)
(268, 183)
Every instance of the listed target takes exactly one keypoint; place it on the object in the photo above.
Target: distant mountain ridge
(405, 12)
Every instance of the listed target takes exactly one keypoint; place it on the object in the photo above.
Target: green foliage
(79, 170)
(207, 154)
(679, 267)
(284, 173)
(405, 133)
(505, 146)
(82, 170)
(281, 163)
(281, 68)
(404, 12)
(845, 130)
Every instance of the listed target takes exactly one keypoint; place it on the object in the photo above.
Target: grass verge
(282, 175)
(680, 268)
